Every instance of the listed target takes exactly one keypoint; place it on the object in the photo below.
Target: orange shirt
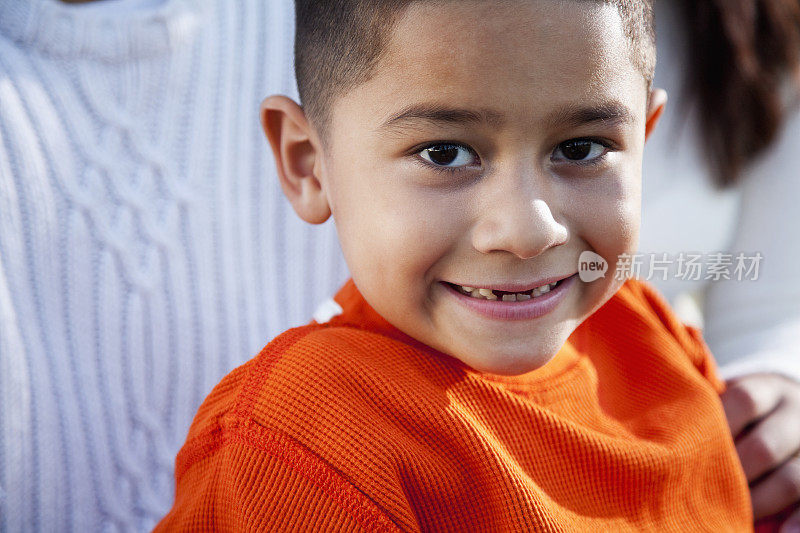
(352, 425)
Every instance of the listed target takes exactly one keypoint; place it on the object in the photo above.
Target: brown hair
(339, 42)
(744, 57)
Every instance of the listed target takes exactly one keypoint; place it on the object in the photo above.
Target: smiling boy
(505, 214)
(466, 378)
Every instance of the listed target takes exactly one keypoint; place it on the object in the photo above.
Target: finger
(792, 524)
(771, 442)
(778, 490)
(748, 399)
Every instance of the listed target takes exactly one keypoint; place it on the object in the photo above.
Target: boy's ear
(658, 100)
(297, 157)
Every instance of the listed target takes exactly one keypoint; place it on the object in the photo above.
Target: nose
(518, 220)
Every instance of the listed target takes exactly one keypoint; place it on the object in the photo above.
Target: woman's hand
(763, 412)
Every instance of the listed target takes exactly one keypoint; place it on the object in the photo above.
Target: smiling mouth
(505, 296)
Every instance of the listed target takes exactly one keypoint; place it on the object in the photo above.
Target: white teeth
(488, 294)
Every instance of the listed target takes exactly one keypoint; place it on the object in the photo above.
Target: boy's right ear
(297, 154)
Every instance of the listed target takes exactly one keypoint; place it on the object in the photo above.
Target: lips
(509, 306)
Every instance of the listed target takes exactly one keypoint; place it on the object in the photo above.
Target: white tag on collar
(327, 310)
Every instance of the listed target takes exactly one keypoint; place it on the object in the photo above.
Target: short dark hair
(339, 42)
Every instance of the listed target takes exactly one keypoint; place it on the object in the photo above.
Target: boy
(466, 378)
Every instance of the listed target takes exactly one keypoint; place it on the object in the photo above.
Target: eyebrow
(440, 114)
(610, 112)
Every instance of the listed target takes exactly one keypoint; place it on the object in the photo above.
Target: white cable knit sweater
(145, 246)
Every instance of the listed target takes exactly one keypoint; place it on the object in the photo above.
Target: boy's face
(442, 197)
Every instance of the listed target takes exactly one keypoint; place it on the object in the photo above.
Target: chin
(504, 365)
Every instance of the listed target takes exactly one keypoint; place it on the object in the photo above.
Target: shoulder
(641, 311)
(647, 301)
(311, 382)
(646, 305)
(258, 444)
(334, 405)
(294, 353)
(335, 378)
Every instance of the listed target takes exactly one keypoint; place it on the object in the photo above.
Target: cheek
(611, 214)
(382, 220)
(608, 225)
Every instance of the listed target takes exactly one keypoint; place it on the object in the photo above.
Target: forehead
(525, 58)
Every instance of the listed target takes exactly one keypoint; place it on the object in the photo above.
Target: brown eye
(583, 150)
(447, 155)
(576, 149)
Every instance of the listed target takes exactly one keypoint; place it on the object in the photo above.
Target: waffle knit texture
(146, 248)
(351, 425)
